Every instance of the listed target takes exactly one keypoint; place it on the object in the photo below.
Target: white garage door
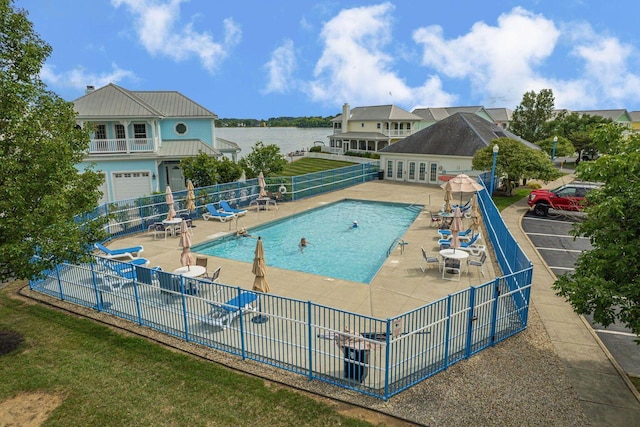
(129, 185)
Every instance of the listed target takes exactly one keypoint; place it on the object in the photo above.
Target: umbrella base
(260, 319)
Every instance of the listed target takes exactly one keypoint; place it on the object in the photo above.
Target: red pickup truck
(568, 197)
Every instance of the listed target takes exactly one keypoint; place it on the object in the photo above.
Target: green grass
(635, 381)
(503, 202)
(309, 165)
(107, 378)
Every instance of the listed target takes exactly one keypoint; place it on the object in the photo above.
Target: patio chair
(226, 208)
(471, 243)
(451, 267)
(169, 285)
(435, 219)
(148, 276)
(429, 259)
(212, 213)
(446, 234)
(131, 253)
(477, 263)
(160, 229)
(222, 315)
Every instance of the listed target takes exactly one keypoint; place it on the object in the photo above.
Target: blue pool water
(335, 249)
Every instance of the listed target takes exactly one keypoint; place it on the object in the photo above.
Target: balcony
(122, 146)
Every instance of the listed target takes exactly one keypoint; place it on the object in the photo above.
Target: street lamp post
(493, 168)
(553, 152)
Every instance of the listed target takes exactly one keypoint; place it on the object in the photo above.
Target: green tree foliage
(41, 191)
(263, 158)
(515, 162)
(606, 280)
(578, 129)
(564, 147)
(529, 120)
(204, 170)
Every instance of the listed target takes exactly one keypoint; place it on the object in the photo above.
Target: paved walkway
(607, 395)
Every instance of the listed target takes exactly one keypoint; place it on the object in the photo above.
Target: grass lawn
(503, 202)
(107, 378)
(309, 165)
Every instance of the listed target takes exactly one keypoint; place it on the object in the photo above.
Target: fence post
(137, 296)
(494, 310)
(386, 360)
(470, 320)
(184, 309)
(447, 333)
(310, 334)
(59, 282)
(98, 292)
(243, 348)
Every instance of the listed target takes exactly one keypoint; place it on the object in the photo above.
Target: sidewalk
(608, 397)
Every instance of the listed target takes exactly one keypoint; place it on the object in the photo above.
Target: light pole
(553, 152)
(493, 168)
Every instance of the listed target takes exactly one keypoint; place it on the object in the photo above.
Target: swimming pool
(335, 249)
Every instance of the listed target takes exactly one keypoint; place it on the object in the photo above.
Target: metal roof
(113, 101)
(379, 113)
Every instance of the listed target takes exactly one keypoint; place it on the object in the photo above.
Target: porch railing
(118, 146)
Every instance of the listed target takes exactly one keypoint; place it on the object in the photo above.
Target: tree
(515, 161)
(42, 194)
(263, 158)
(204, 170)
(529, 120)
(564, 147)
(577, 128)
(606, 280)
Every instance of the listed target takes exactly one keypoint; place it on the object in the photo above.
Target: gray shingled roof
(113, 101)
(461, 134)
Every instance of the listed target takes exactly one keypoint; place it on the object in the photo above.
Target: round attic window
(181, 128)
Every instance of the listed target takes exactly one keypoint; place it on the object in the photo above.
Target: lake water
(288, 139)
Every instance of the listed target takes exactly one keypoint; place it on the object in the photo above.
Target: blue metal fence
(377, 357)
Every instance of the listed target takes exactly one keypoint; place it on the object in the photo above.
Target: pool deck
(399, 286)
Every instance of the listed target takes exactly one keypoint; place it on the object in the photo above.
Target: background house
(444, 148)
(139, 137)
(369, 129)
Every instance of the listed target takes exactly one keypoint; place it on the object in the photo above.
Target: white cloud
(498, 61)
(79, 78)
(161, 32)
(355, 68)
(281, 68)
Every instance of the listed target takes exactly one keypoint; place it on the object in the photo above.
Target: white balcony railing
(120, 146)
(391, 133)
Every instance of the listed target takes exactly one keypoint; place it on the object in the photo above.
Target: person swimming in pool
(303, 244)
(355, 224)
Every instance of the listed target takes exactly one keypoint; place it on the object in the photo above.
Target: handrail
(393, 244)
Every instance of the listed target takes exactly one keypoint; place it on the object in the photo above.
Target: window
(119, 131)
(101, 132)
(181, 128)
(361, 125)
(379, 126)
(139, 130)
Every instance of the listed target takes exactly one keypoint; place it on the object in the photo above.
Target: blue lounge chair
(223, 314)
(446, 234)
(213, 213)
(224, 205)
(131, 253)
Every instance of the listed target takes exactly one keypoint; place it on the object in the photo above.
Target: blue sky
(261, 59)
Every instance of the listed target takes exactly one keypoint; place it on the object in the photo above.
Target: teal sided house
(139, 138)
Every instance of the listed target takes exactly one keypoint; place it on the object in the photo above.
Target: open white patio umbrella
(191, 196)
(461, 184)
(263, 185)
(169, 200)
(260, 283)
(186, 260)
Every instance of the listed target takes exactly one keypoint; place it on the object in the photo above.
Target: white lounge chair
(212, 213)
(223, 314)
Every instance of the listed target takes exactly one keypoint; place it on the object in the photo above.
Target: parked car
(568, 197)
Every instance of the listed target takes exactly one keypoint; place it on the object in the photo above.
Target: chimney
(89, 89)
(346, 114)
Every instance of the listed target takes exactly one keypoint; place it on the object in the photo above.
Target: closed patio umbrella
(260, 283)
(456, 227)
(476, 215)
(185, 243)
(191, 196)
(448, 199)
(169, 200)
(263, 185)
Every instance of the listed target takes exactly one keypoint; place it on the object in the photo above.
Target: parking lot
(560, 250)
